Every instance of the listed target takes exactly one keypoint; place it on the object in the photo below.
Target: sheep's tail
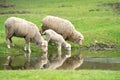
(6, 31)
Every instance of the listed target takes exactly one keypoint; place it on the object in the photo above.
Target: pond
(101, 60)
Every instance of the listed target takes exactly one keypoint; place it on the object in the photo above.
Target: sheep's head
(78, 38)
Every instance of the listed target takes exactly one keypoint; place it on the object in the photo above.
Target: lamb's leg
(59, 51)
(48, 37)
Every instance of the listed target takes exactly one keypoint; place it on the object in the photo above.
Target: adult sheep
(63, 27)
(21, 28)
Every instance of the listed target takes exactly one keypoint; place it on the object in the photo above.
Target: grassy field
(95, 19)
(60, 75)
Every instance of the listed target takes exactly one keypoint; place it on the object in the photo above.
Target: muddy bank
(101, 46)
(115, 6)
(6, 5)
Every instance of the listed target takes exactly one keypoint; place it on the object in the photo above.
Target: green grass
(102, 25)
(60, 75)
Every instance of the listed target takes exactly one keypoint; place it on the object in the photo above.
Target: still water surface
(101, 63)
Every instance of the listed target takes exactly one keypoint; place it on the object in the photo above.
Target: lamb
(57, 39)
(55, 63)
(63, 27)
(21, 28)
(72, 62)
(38, 63)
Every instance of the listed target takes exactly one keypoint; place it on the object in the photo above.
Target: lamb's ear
(67, 45)
(41, 31)
(80, 56)
(44, 43)
(36, 43)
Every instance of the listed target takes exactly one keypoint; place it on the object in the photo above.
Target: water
(90, 62)
(101, 63)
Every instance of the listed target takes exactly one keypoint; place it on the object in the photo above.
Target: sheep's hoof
(67, 56)
(13, 45)
(25, 49)
(8, 46)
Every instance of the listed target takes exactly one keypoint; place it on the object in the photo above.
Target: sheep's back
(59, 25)
(21, 27)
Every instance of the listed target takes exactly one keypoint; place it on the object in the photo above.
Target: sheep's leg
(29, 50)
(9, 34)
(8, 43)
(11, 42)
(8, 40)
(28, 45)
(25, 47)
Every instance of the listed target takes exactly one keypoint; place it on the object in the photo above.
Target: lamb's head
(80, 56)
(68, 50)
(68, 47)
(44, 46)
(78, 37)
(44, 58)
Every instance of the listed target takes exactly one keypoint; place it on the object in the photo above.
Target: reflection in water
(55, 63)
(89, 63)
(8, 64)
(72, 63)
(75, 61)
(34, 64)
(37, 63)
(101, 63)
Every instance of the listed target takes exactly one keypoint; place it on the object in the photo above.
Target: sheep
(34, 64)
(63, 27)
(72, 62)
(8, 65)
(18, 27)
(51, 35)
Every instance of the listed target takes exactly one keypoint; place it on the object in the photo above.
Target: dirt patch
(15, 12)
(6, 5)
(115, 6)
(101, 46)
